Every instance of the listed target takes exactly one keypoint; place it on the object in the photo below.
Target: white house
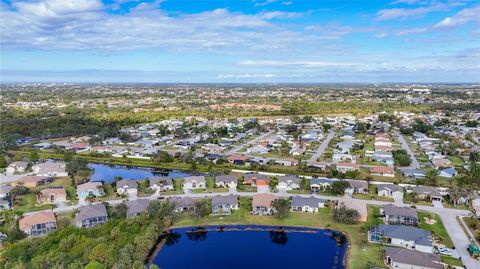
(389, 190)
(127, 186)
(17, 167)
(194, 182)
(289, 183)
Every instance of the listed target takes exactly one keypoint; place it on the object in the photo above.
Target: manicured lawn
(474, 226)
(437, 229)
(26, 203)
(451, 261)
(361, 255)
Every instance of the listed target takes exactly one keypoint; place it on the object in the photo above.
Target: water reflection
(278, 237)
(172, 238)
(197, 234)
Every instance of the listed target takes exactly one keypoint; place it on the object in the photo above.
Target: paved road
(253, 141)
(406, 147)
(321, 149)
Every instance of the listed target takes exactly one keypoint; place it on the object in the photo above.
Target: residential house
(345, 167)
(38, 224)
(357, 186)
(413, 173)
(91, 215)
(448, 172)
(90, 189)
(342, 157)
(401, 258)
(5, 191)
(258, 149)
(182, 204)
(52, 196)
(389, 190)
(383, 171)
(307, 204)
(393, 214)
(320, 184)
(289, 183)
(426, 192)
(226, 181)
(407, 237)
(136, 207)
(50, 169)
(441, 163)
(17, 167)
(194, 182)
(255, 179)
(262, 204)
(127, 187)
(224, 204)
(161, 184)
(237, 159)
(32, 181)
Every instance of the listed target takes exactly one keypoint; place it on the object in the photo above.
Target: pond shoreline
(232, 227)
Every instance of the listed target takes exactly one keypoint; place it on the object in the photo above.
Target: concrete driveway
(398, 198)
(263, 189)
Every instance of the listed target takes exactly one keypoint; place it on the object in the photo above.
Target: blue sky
(240, 41)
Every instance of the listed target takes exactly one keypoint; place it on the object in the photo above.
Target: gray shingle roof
(181, 201)
(294, 179)
(391, 187)
(308, 201)
(225, 178)
(163, 180)
(413, 257)
(407, 233)
(89, 211)
(135, 207)
(393, 210)
(132, 184)
(228, 199)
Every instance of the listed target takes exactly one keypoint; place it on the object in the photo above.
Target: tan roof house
(52, 196)
(38, 224)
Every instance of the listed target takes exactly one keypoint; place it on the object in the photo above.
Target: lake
(107, 173)
(251, 247)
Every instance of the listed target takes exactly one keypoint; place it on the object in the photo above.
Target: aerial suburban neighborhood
(257, 134)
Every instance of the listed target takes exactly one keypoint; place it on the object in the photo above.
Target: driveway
(253, 141)
(321, 149)
(398, 198)
(437, 204)
(263, 189)
(406, 147)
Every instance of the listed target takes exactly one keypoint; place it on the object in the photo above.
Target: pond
(107, 173)
(251, 247)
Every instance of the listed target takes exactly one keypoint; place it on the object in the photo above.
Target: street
(404, 145)
(322, 147)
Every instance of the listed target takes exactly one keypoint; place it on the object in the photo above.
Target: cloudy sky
(240, 41)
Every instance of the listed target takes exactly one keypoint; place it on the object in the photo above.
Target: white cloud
(53, 8)
(462, 17)
(307, 64)
(263, 3)
(418, 30)
(405, 13)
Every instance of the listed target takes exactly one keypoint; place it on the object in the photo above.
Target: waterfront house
(410, 259)
(90, 189)
(91, 215)
(389, 190)
(38, 224)
(237, 159)
(182, 204)
(393, 214)
(224, 204)
(161, 184)
(226, 181)
(194, 182)
(307, 204)
(256, 179)
(262, 204)
(127, 187)
(16, 167)
(289, 183)
(407, 237)
(50, 169)
(136, 207)
(52, 196)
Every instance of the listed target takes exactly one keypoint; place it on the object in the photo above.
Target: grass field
(437, 229)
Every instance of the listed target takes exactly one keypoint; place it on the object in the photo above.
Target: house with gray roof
(413, 173)
(389, 190)
(161, 183)
(393, 214)
(357, 186)
(127, 186)
(320, 184)
(224, 204)
(90, 216)
(427, 193)
(194, 182)
(410, 259)
(182, 204)
(226, 181)
(407, 237)
(136, 207)
(307, 204)
(289, 182)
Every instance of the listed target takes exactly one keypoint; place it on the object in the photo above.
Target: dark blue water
(107, 173)
(321, 249)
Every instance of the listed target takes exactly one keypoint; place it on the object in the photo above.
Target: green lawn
(438, 230)
(27, 203)
(357, 234)
(451, 261)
